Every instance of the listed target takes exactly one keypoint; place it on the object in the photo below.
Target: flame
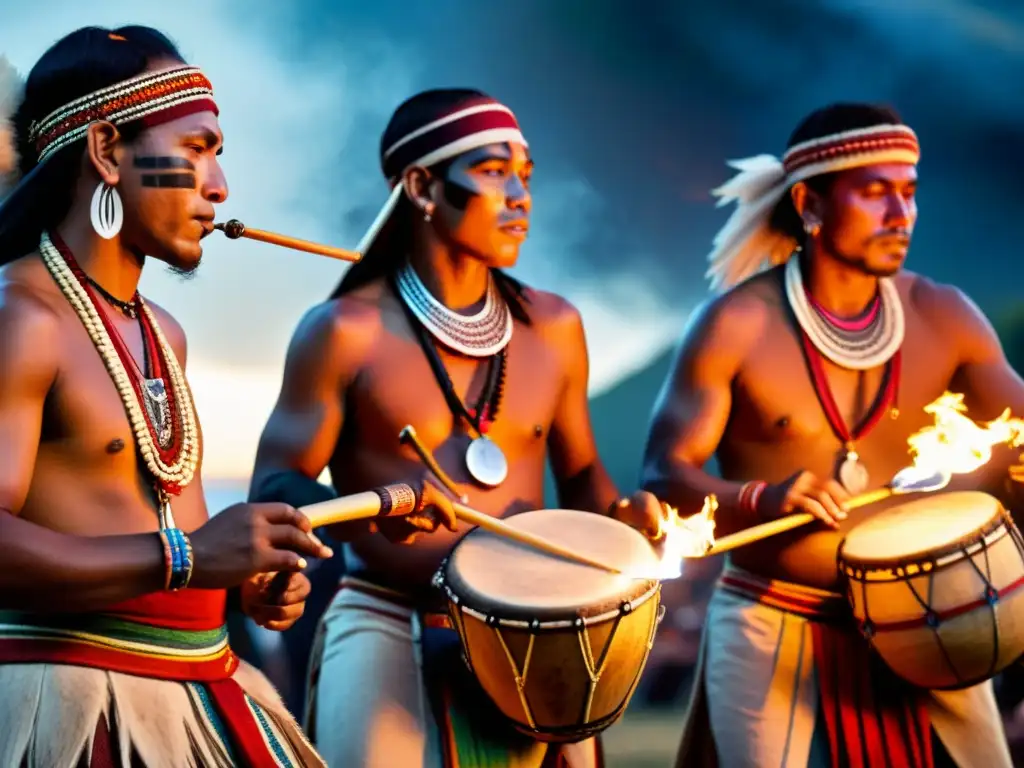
(955, 444)
(680, 538)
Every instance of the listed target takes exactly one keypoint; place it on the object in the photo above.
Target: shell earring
(106, 211)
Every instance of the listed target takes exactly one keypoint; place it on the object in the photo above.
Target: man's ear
(103, 144)
(419, 188)
(807, 204)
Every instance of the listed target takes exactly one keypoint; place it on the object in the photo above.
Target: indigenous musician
(806, 379)
(113, 649)
(429, 331)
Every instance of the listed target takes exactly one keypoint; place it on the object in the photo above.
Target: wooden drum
(558, 646)
(936, 587)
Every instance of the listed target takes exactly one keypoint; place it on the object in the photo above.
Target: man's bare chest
(400, 387)
(779, 397)
(84, 417)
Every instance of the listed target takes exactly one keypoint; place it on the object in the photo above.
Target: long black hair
(393, 244)
(78, 64)
(834, 118)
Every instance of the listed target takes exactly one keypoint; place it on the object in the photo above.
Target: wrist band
(750, 494)
(177, 558)
(396, 499)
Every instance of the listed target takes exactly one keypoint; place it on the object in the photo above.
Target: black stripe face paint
(169, 180)
(183, 180)
(164, 163)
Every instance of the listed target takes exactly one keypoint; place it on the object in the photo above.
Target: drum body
(559, 647)
(936, 586)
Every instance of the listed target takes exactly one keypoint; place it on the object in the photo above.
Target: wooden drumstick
(409, 437)
(234, 229)
(361, 506)
(909, 480)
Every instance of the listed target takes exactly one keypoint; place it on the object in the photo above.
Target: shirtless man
(428, 304)
(113, 649)
(749, 384)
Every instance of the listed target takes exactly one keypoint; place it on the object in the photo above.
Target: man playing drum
(806, 379)
(429, 331)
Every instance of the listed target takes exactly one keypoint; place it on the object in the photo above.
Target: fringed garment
(149, 682)
(785, 681)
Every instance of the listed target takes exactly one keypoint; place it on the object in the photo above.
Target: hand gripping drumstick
(368, 504)
(908, 480)
(360, 506)
(498, 527)
(235, 229)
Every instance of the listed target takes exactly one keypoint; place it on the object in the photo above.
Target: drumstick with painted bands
(409, 437)
(234, 229)
(361, 506)
(909, 480)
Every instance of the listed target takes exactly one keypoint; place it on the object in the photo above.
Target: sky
(631, 115)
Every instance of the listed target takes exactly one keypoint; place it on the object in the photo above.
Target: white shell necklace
(482, 334)
(857, 350)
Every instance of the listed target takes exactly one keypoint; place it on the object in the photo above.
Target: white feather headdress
(12, 90)
(747, 243)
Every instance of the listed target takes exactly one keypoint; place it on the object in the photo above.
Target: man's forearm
(49, 572)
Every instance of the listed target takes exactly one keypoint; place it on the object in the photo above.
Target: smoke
(631, 111)
(643, 103)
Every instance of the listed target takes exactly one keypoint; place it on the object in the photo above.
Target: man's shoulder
(737, 316)
(933, 299)
(548, 309)
(30, 317)
(28, 296)
(947, 309)
(351, 319)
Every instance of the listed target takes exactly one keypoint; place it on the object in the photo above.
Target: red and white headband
(747, 244)
(153, 98)
(473, 124)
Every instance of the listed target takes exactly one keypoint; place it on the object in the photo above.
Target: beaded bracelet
(396, 499)
(177, 558)
(750, 494)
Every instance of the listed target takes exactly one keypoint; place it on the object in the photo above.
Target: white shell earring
(106, 211)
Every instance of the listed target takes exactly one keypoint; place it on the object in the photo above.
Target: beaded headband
(482, 122)
(747, 244)
(153, 98)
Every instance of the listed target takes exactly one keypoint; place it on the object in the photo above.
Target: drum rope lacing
(594, 667)
(968, 549)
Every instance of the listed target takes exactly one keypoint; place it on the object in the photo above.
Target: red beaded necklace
(169, 449)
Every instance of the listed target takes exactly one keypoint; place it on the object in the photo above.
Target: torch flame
(953, 445)
(680, 538)
(956, 445)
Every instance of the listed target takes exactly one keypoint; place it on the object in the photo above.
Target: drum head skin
(492, 574)
(917, 528)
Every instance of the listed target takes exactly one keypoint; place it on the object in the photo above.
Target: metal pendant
(853, 475)
(486, 462)
(159, 410)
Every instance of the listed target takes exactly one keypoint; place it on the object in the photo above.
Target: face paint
(166, 180)
(169, 180)
(457, 192)
(163, 163)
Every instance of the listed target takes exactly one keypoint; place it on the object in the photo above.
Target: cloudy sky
(630, 115)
